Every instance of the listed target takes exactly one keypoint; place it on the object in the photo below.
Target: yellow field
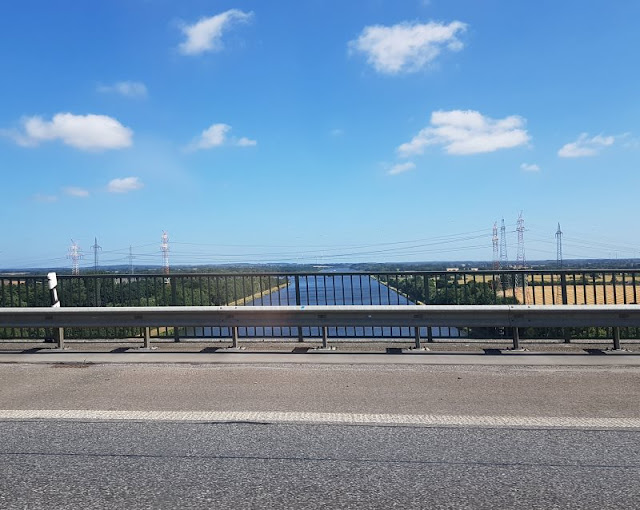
(598, 291)
(609, 294)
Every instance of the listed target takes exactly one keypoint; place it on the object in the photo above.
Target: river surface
(329, 289)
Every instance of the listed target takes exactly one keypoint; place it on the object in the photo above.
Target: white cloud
(527, 167)
(76, 192)
(213, 136)
(585, 146)
(467, 132)
(401, 167)
(407, 47)
(133, 89)
(246, 142)
(87, 132)
(216, 135)
(206, 34)
(124, 185)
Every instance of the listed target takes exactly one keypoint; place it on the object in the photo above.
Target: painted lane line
(322, 418)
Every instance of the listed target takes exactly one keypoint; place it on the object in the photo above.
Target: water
(329, 289)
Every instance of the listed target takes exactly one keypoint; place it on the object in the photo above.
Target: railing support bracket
(58, 335)
(616, 339)
(516, 342)
(235, 347)
(325, 342)
(418, 346)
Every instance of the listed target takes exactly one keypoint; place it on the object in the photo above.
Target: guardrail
(414, 316)
(490, 287)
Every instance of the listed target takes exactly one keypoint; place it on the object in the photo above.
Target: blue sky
(321, 130)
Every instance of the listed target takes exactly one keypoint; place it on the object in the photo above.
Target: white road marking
(322, 418)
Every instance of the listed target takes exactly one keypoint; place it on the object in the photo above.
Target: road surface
(305, 435)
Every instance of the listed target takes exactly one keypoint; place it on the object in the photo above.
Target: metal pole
(616, 338)
(417, 336)
(563, 283)
(176, 332)
(325, 337)
(59, 337)
(147, 338)
(565, 301)
(234, 337)
(429, 334)
(516, 339)
(296, 282)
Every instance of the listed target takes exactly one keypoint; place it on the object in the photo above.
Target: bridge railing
(416, 317)
(567, 287)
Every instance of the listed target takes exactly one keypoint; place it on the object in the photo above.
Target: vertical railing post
(417, 345)
(616, 338)
(234, 337)
(96, 289)
(324, 330)
(563, 286)
(516, 339)
(174, 302)
(58, 333)
(565, 301)
(429, 334)
(567, 335)
(147, 338)
(296, 282)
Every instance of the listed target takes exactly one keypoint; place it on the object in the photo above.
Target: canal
(328, 288)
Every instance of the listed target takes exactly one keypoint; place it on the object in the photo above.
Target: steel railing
(416, 317)
(568, 287)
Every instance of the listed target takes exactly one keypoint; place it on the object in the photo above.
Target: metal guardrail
(415, 316)
(489, 287)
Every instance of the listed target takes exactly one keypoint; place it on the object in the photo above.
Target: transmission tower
(505, 279)
(521, 279)
(130, 257)
(164, 247)
(75, 254)
(520, 230)
(496, 251)
(504, 260)
(559, 298)
(96, 248)
(559, 247)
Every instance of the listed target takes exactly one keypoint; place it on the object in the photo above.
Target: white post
(52, 280)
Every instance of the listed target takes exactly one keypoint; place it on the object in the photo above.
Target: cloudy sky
(321, 130)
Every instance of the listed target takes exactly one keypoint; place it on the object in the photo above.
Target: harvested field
(579, 295)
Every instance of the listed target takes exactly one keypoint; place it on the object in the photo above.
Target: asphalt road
(414, 389)
(57, 464)
(534, 450)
